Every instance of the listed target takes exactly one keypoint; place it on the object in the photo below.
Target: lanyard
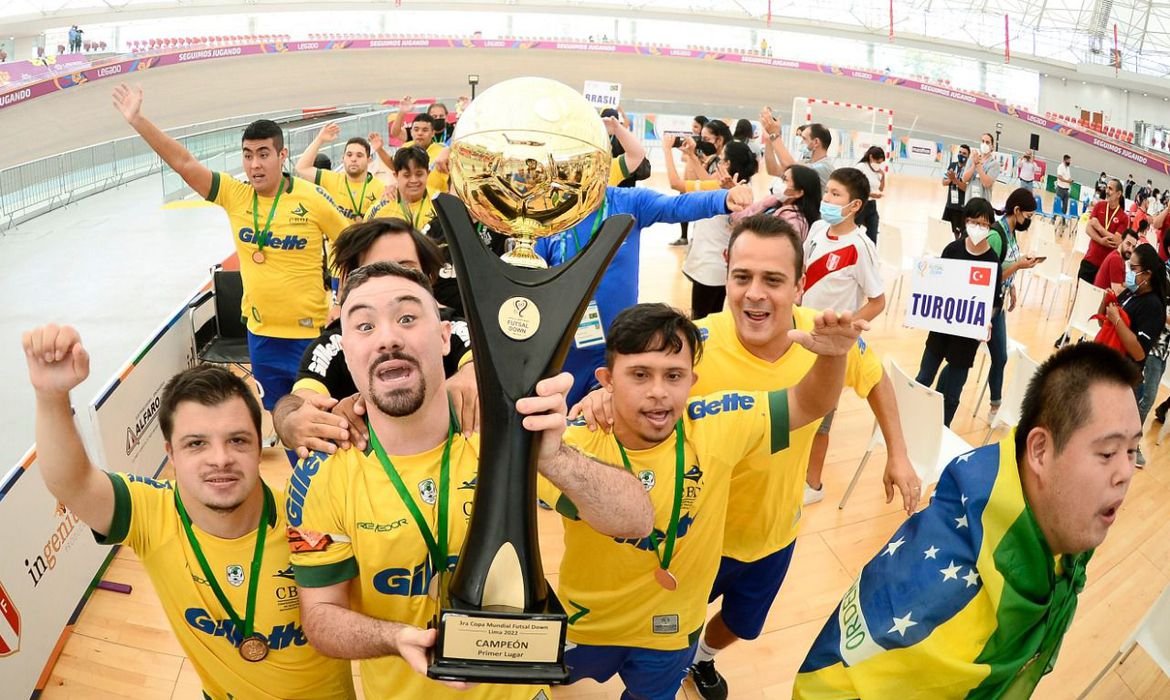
(1109, 219)
(245, 627)
(672, 530)
(437, 549)
(406, 210)
(262, 236)
(357, 207)
(596, 225)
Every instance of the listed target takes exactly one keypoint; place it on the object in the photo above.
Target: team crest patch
(646, 476)
(833, 261)
(235, 574)
(300, 210)
(426, 489)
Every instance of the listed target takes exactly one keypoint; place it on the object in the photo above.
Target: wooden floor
(122, 647)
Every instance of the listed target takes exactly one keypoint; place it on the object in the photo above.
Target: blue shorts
(649, 674)
(274, 365)
(748, 589)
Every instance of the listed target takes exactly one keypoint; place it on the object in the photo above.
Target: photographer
(956, 192)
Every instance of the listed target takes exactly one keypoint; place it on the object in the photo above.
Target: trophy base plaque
(498, 644)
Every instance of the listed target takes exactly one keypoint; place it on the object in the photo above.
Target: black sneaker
(679, 241)
(1160, 412)
(708, 682)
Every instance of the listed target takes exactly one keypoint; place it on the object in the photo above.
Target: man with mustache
(212, 539)
(637, 605)
(370, 530)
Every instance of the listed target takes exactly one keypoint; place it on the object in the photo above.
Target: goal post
(854, 127)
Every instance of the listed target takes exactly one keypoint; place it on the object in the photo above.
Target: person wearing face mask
(1112, 274)
(697, 125)
(982, 169)
(956, 191)
(1027, 171)
(796, 198)
(1107, 221)
(815, 137)
(1064, 181)
(875, 171)
(959, 352)
(1017, 217)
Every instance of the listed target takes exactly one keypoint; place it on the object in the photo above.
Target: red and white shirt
(840, 273)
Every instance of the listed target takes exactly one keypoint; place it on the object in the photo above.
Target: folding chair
(930, 445)
(1050, 270)
(1153, 634)
(1086, 303)
(938, 235)
(224, 340)
(1008, 415)
(890, 257)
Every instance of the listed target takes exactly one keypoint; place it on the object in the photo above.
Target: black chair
(224, 339)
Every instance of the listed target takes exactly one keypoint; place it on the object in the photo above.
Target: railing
(39, 186)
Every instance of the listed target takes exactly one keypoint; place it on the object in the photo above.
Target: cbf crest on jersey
(235, 574)
(427, 491)
(647, 478)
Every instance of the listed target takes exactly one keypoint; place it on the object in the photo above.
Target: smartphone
(1040, 259)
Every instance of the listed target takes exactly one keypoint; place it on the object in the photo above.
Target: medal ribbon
(672, 530)
(246, 625)
(596, 226)
(406, 210)
(262, 236)
(437, 549)
(356, 207)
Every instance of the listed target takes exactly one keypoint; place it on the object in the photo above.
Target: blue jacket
(619, 287)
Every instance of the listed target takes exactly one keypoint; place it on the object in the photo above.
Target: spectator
(718, 134)
(746, 133)
(982, 169)
(956, 192)
(1027, 171)
(1064, 180)
(1113, 271)
(959, 352)
(1102, 183)
(874, 171)
(815, 137)
(1129, 185)
(697, 125)
(798, 201)
(1106, 223)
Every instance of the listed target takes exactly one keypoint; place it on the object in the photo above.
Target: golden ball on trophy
(530, 158)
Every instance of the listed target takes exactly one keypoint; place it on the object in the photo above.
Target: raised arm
(128, 101)
(831, 338)
(397, 131)
(305, 167)
(610, 499)
(57, 363)
(635, 151)
(776, 155)
(676, 182)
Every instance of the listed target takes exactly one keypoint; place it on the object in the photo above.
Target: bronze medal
(258, 257)
(433, 588)
(254, 648)
(665, 579)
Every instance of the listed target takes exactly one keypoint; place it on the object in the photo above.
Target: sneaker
(1060, 342)
(1141, 459)
(993, 412)
(812, 495)
(708, 682)
(680, 241)
(1160, 412)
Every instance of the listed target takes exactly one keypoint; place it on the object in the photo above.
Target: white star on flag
(971, 578)
(961, 522)
(931, 552)
(901, 624)
(965, 456)
(951, 572)
(893, 546)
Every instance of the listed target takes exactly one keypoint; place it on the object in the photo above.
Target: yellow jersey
(419, 214)
(347, 507)
(767, 491)
(353, 200)
(607, 584)
(284, 296)
(436, 180)
(145, 518)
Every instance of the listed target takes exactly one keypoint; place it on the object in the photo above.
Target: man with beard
(355, 190)
(369, 531)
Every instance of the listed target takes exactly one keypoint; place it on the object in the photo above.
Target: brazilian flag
(965, 601)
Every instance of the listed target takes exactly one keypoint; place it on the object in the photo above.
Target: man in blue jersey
(619, 287)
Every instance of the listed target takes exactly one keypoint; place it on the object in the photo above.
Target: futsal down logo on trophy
(529, 158)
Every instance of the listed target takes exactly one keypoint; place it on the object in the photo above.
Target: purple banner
(19, 72)
(18, 95)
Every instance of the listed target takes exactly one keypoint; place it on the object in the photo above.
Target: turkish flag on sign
(980, 276)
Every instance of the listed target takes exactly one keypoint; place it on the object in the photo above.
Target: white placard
(602, 94)
(922, 150)
(951, 296)
(49, 559)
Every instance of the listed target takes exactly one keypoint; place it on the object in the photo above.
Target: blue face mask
(831, 213)
(1130, 279)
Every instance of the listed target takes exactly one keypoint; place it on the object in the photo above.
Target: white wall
(1121, 108)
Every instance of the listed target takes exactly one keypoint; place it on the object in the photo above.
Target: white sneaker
(812, 495)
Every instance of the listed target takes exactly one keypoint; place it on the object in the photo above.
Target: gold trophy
(530, 158)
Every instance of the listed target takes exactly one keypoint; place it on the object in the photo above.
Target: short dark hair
(817, 131)
(767, 226)
(744, 131)
(1057, 397)
(323, 162)
(1130, 233)
(963, 145)
(1143, 226)
(423, 118)
(375, 270)
(854, 181)
(652, 328)
(1021, 197)
(702, 121)
(411, 156)
(361, 142)
(979, 208)
(356, 239)
(1066, 157)
(742, 164)
(262, 129)
(207, 385)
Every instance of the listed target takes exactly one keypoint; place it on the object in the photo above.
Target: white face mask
(984, 148)
(977, 233)
(783, 196)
